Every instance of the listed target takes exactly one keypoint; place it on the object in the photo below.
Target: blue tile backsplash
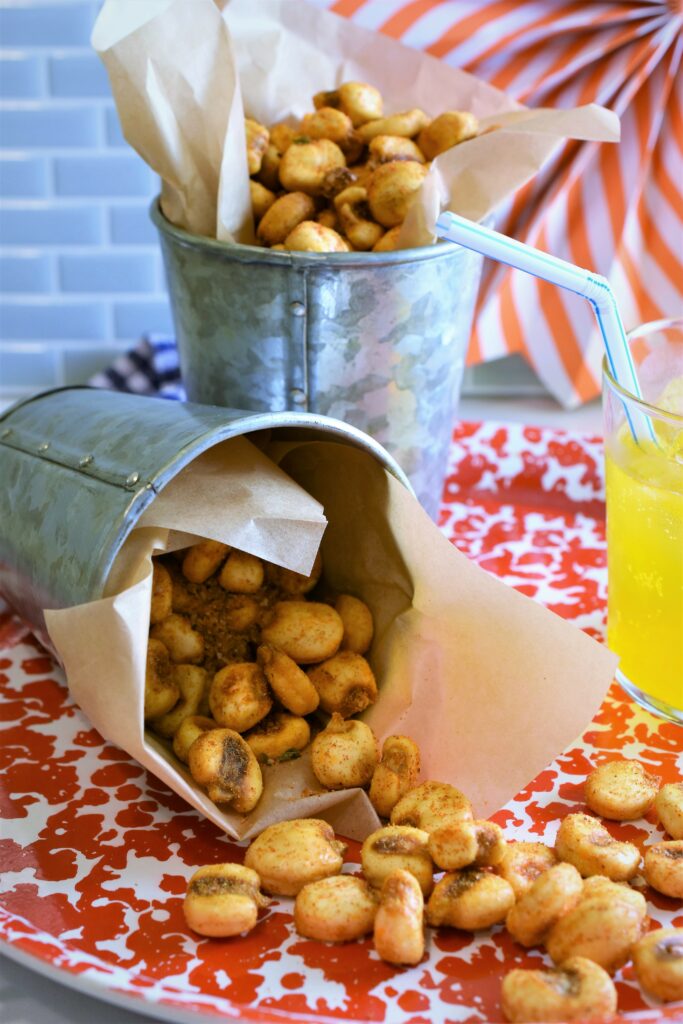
(25, 272)
(32, 24)
(76, 75)
(21, 77)
(80, 269)
(119, 174)
(23, 177)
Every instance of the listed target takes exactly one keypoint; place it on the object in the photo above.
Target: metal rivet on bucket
(85, 460)
(297, 308)
(44, 446)
(298, 396)
(132, 479)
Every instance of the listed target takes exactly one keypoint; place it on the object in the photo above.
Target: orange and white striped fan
(617, 210)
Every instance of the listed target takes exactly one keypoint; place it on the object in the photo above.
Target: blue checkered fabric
(151, 368)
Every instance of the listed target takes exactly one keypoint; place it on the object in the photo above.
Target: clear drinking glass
(644, 493)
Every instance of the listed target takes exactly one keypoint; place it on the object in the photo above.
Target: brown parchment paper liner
(491, 685)
(177, 68)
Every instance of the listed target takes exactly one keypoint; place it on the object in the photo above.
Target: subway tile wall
(80, 271)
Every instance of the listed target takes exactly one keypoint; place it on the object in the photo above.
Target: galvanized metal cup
(377, 340)
(79, 466)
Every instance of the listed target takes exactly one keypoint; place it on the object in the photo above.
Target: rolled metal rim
(254, 422)
(234, 423)
(257, 254)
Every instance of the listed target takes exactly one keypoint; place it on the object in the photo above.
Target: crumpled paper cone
(490, 685)
(177, 70)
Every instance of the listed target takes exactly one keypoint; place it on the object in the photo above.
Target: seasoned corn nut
(392, 190)
(220, 760)
(362, 102)
(664, 868)
(603, 926)
(396, 773)
(239, 696)
(361, 174)
(334, 182)
(262, 199)
(295, 583)
(658, 960)
(577, 990)
(187, 732)
(399, 922)
(328, 218)
(446, 130)
(223, 900)
(362, 234)
(431, 805)
(586, 843)
(241, 612)
(269, 175)
(161, 689)
(282, 135)
(309, 236)
(307, 631)
(183, 643)
(257, 136)
(304, 165)
(344, 754)
(522, 863)
(335, 125)
(162, 593)
(355, 218)
(278, 734)
(397, 846)
(553, 893)
(385, 148)
(242, 573)
(390, 241)
(182, 600)
(621, 790)
(406, 124)
(191, 682)
(283, 216)
(346, 683)
(202, 560)
(336, 909)
(289, 683)
(598, 885)
(669, 808)
(462, 843)
(358, 623)
(291, 854)
(471, 899)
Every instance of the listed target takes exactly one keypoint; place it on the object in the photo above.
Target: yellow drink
(645, 563)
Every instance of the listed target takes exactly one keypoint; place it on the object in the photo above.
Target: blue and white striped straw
(574, 279)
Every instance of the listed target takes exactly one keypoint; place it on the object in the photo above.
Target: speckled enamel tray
(95, 853)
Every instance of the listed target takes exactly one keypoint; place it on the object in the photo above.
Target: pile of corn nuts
(345, 176)
(580, 901)
(238, 656)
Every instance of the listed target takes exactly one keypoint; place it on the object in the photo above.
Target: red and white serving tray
(95, 853)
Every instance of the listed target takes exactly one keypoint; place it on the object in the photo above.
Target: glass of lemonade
(644, 493)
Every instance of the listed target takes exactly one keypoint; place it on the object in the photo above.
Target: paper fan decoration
(616, 209)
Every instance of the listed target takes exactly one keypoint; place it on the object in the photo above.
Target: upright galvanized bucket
(79, 466)
(377, 340)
